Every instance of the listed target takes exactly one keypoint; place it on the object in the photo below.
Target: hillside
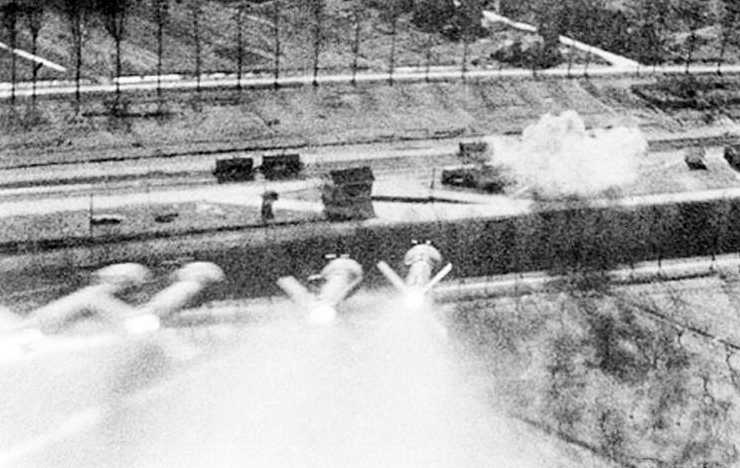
(326, 115)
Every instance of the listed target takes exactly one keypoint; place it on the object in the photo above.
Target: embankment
(226, 120)
(555, 238)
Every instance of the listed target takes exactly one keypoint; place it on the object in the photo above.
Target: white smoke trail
(557, 157)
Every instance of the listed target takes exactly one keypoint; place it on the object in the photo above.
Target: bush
(443, 16)
(530, 54)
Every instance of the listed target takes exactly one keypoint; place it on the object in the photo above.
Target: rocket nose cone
(201, 272)
(123, 275)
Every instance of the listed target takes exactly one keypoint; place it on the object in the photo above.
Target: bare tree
(393, 11)
(238, 20)
(729, 22)
(195, 11)
(35, 18)
(317, 10)
(276, 23)
(160, 10)
(465, 35)
(356, 14)
(694, 12)
(114, 14)
(589, 21)
(10, 22)
(76, 12)
(428, 54)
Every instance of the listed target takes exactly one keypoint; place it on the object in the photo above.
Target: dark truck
(474, 152)
(281, 166)
(484, 177)
(475, 172)
(234, 170)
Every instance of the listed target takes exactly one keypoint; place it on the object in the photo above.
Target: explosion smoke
(557, 157)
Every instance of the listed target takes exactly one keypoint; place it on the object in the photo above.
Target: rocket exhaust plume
(339, 279)
(557, 157)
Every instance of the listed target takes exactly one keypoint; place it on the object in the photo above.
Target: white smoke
(557, 157)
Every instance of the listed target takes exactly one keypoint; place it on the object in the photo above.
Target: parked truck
(484, 177)
(476, 171)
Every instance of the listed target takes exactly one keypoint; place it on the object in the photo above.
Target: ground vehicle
(695, 158)
(281, 166)
(347, 194)
(484, 177)
(475, 152)
(234, 170)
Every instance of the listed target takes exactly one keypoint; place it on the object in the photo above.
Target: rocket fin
(190, 281)
(392, 276)
(295, 290)
(438, 277)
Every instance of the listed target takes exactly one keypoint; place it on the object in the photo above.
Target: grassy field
(218, 30)
(138, 221)
(326, 115)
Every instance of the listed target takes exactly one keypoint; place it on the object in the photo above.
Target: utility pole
(195, 10)
(10, 20)
(428, 64)
(239, 15)
(356, 43)
(276, 21)
(465, 33)
(35, 18)
(394, 27)
(318, 12)
(76, 14)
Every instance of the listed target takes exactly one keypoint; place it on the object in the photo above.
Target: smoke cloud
(557, 157)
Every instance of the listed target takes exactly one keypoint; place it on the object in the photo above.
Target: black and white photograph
(370, 233)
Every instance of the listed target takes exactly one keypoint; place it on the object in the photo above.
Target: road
(408, 170)
(663, 179)
(384, 158)
(411, 157)
(418, 76)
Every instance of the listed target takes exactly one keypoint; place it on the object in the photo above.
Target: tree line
(30, 15)
(458, 20)
(640, 30)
